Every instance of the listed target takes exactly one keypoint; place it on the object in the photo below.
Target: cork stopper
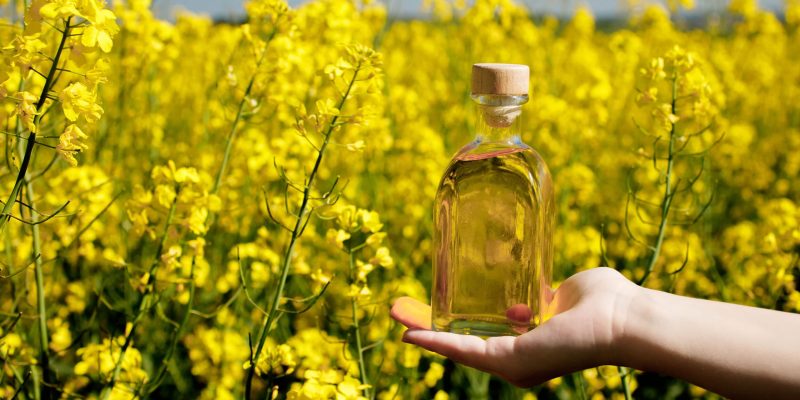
(500, 79)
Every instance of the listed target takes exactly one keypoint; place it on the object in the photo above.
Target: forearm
(733, 350)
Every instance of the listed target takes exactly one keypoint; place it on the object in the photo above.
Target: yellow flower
(356, 146)
(272, 9)
(311, 389)
(664, 116)
(433, 375)
(337, 236)
(792, 13)
(329, 376)
(441, 395)
(102, 26)
(115, 259)
(60, 335)
(359, 290)
(583, 21)
(360, 55)
(26, 51)
(336, 70)
(78, 101)
(197, 220)
(320, 276)
(70, 142)
(745, 8)
(655, 70)
(184, 175)
(60, 9)
(363, 269)
(100, 359)
(376, 238)
(346, 217)
(681, 60)
(280, 359)
(370, 220)
(165, 195)
(350, 389)
(76, 297)
(382, 258)
(647, 96)
(10, 343)
(26, 109)
(171, 256)
(410, 355)
(327, 107)
(97, 73)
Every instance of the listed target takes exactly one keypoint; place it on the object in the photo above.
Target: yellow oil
(492, 259)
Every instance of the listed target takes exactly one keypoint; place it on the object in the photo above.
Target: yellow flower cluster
(180, 195)
(251, 197)
(216, 356)
(99, 360)
(54, 54)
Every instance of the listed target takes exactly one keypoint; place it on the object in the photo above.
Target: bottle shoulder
(478, 150)
(500, 162)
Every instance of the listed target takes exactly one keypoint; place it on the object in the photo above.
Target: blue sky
(601, 8)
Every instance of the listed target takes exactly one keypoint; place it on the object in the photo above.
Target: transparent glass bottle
(493, 219)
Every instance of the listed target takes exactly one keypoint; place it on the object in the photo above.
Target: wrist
(635, 317)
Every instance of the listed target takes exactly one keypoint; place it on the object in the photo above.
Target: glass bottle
(493, 219)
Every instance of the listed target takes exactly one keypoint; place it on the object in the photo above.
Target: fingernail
(407, 334)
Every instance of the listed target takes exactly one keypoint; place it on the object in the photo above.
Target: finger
(412, 313)
(492, 355)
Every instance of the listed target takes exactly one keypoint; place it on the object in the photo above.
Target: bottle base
(481, 328)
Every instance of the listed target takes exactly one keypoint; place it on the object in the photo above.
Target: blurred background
(410, 9)
(175, 151)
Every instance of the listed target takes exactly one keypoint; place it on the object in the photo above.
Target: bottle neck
(498, 117)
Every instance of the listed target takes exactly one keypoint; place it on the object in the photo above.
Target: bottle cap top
(500, 79)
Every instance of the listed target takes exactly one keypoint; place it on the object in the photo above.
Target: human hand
(589, 313)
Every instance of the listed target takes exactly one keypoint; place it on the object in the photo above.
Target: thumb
(412, 313)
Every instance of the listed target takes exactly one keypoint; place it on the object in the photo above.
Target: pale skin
(601, 318)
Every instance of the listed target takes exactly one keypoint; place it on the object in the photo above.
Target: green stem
(175, 336)
(143, 302)
(23, 168)
(667, 200)
(623, 374)
(21, 385)
(357, 328)
(239, 111)
(44, 355)
(235, 126)
(578, 376)
(301, 214)
(232, 133)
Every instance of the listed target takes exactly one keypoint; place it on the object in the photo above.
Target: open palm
(588, 313)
